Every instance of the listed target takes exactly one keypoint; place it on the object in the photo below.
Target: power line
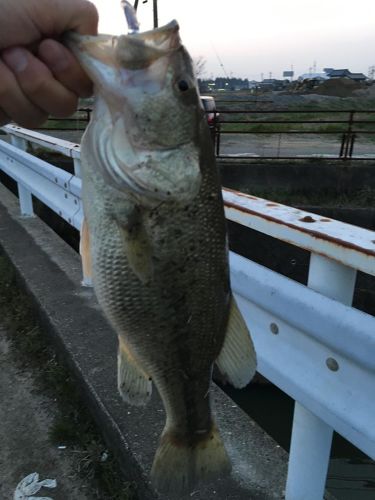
(220, 61)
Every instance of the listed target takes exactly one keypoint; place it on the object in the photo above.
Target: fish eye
(183, 85)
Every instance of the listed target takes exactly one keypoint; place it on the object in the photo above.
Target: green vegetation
(262, 122)
(67, 124)
(73, 424)
(78, 121)
(256, 110)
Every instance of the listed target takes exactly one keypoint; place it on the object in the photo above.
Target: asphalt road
(289, 145)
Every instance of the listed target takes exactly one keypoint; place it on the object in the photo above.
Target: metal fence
(310, 341)
(347, 127)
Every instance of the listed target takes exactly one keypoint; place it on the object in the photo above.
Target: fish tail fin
(179, 466)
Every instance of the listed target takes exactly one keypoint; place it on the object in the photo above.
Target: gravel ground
(26, 417)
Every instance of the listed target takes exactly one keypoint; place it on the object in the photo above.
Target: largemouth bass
(154, 209)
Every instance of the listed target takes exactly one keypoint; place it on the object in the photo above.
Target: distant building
(344, 73)
(313, 76)
(358, 77)
(338, 73)
(223, 84)
(272, 84)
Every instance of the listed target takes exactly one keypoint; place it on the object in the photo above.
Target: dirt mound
(339, 87)
(367, 92)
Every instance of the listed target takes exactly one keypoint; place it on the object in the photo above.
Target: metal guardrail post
(342, 147)
(309, 456)
(351, 145)
(77, 167)
(24, 195)
(84, 243)
(311, 437)
(216, 134)
(26, 201)
(347, 144)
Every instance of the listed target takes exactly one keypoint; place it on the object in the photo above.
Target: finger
(25, 22)
(84, 17)
(38, 83)
(76, 15)
(15, 104)
(65, 67)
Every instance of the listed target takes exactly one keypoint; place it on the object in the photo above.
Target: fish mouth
(134, 51)
(118, 66)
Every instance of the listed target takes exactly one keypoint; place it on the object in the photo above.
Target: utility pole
(155, 13)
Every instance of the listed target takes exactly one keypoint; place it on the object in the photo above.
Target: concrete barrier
(297, 176)
(50, 271)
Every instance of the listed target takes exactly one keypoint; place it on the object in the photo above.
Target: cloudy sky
(246, 38)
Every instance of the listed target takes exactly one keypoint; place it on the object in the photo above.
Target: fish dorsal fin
(237, 359)
(133, 383)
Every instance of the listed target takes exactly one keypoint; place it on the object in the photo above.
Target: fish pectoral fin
(84, 250)
(138, 249)
(133, 383)
(237, 359)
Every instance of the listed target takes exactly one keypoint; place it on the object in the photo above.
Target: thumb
(53, 17)
(80, 16)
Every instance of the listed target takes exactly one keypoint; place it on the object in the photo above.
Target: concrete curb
(50, 272)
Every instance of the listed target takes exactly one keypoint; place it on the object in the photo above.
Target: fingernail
(16, 59)
(54, 55)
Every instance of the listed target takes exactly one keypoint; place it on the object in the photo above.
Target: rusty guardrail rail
(310, 341)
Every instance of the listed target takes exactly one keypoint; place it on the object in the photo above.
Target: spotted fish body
(154, 209)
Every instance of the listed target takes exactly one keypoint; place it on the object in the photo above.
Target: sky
(253, 38)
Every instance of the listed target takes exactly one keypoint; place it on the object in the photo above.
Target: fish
(158, 242)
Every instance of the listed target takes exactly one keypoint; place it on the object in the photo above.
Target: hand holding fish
(38, 75)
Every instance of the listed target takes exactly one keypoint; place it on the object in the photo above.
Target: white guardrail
(310, 341)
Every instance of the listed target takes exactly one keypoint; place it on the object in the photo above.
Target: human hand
(38, 75)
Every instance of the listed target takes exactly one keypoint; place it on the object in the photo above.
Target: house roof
(339, 72)
(358, 76)
(312, 76)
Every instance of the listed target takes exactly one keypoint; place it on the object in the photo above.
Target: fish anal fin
(134, 385)
(237, 359)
